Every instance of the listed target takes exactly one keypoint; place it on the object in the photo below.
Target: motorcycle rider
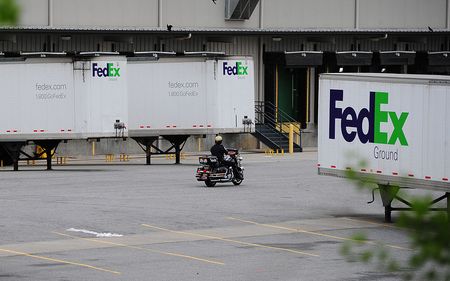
(219, 151)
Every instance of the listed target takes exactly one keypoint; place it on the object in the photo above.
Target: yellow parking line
(230, 240)
(59, 261)
(370, 222)
(145, 249)
(315, 233)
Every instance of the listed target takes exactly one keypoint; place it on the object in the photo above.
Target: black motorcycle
(212, 172)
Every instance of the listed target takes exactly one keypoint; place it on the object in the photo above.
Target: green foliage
(9, 12)
(429, 233)
(430, 237)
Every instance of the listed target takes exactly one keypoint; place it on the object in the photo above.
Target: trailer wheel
(210, 183)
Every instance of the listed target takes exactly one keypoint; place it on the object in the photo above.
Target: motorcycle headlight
(240, 158)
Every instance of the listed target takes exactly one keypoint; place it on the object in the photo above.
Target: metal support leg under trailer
(49, 148)
(178, 143)
(147, 143)
(389, 193)
(14, 150)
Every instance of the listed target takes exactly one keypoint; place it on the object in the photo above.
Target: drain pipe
(160, 10)
(261, 53)
(447, 24)
(50, 13)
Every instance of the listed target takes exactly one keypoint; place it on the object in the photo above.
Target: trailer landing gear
(14, 150)
(389, 193)
(147, 143)
(49, 148)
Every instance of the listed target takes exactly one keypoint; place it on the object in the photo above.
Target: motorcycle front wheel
(236, 181)
(210, 183)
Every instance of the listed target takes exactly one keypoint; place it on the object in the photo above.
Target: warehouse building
(291, 41)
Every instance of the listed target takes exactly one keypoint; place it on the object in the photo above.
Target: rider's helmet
(218, 139)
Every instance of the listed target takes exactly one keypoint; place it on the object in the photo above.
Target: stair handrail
(284, 116)
(268, 121)
(278, 118)
(273, 121)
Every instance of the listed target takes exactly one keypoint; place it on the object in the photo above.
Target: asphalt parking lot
(128, 221)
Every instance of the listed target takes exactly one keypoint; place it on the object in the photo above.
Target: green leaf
(9, 12)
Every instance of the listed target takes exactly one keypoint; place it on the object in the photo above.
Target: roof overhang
(375, 34)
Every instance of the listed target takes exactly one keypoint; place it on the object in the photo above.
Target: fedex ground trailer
(390, 129)
(177, 97)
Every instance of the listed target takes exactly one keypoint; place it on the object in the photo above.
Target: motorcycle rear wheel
(210, 183)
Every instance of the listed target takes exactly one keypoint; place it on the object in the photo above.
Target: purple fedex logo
(108, 71)
(352, 122)
(238, 69)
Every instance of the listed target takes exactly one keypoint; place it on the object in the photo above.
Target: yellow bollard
(291, 138)
(109, 157)
(170, 156)
(199, 142)
(93, 148)
(61, 160)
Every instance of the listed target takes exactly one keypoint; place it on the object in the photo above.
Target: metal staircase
(271, 127)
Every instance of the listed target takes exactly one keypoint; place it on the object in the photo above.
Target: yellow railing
(284, 127)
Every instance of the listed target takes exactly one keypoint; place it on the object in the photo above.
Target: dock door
(290, 83)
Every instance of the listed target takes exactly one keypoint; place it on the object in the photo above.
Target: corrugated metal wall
(350, 43)
(238, 45)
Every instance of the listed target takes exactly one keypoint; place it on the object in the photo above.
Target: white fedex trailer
(37, 99)
(101, 96)
(182, 95)
(396, 125)
(51, 99)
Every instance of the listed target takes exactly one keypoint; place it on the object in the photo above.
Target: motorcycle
(212, 172)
